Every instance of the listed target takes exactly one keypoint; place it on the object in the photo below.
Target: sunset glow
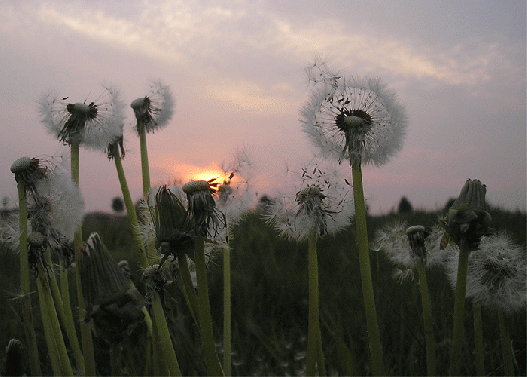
(185, 172)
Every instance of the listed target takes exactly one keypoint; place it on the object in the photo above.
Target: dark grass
(269, 305)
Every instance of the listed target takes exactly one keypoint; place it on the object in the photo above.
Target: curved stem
(190, 293)
(29, 329)
(54, 331)
(65, 313)
(205, 318)
(166, 348)
(459, 310)
(427, 321)
(130, 209)
(377, 362)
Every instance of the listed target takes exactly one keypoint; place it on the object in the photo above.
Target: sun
(186, 172)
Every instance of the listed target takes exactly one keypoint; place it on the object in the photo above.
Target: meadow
(270, 305)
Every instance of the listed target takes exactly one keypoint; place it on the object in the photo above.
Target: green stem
(130, 209)
(427, 320)
(144, 162)
(227, 312)
(86, 335)
(48, 331)
(459, 311)
(478, 340)
(65, 312)
(377, 362)
(506, 347)
(189, 291)
(54, 331)
(207, 335)
(314, 338)
(29, 329)
(166, 348)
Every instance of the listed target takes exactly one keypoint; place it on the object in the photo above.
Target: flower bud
(467, 220)
(416, 236)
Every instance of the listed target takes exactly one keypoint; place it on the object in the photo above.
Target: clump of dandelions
(496, 274)
(95, 125)
(154, 110)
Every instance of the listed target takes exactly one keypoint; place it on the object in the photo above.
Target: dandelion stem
(190, 293)
(314, 338)
(459, 310)
(166, 348)
(506, 346)
(144, 161)
(130, 209)
(29, 329)
(427, 320)
(227, 311)
(65, 313)
(207, 335)
(377, 362)
(86, 337)
(478, 339)
(54, 331)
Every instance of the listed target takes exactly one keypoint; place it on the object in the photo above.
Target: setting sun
(187, 172)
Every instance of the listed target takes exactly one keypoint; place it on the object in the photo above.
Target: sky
(237, 72)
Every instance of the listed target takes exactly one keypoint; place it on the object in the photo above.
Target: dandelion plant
(467, 221)
(94, 125)
(204, 218)
(152, 113)
(359, 120)
(496, 275)
(411, 248)
(27, 173)
(322, 206)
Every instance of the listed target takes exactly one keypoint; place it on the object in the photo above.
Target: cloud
(188, 32)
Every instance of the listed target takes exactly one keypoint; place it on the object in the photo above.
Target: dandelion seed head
(321, 202)
(28, 171)
(59, 200)
(394, 241)
(95, 125)
(497, 273)
(203, 214)
(155, 110)
(354, 118)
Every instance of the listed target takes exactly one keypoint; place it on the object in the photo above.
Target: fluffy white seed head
(322, 201)
(497, 273)
(154, 110)
(358, 119)
(95, 124)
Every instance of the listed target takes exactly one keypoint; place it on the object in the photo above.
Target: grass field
(270, 305)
